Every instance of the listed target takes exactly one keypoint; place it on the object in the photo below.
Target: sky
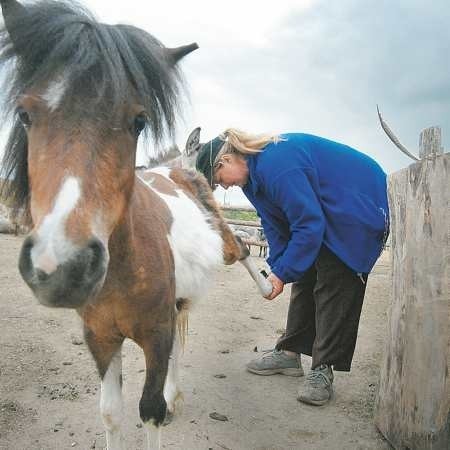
(314, 66)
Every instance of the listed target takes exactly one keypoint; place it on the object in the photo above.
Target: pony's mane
(101, 67)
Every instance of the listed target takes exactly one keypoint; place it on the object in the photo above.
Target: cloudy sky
(316, 66)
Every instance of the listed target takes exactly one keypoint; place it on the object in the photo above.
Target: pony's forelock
(102, 64)
(102, 67)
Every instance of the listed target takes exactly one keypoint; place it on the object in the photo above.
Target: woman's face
(232, 170)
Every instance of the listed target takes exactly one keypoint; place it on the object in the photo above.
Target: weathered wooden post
(430, 142)
(413, 404)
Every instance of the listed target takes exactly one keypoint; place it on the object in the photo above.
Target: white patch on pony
(153, 436)
(171, 391)
(111, 403)
(163, 171)
(52, 246)
(197, 248)
(55, 93)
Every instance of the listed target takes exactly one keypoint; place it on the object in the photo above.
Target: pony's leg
(171, 390)
(111, 403)
(264, 286)
(235, 249)
(153, 437)
(153, 406)
(107, 355)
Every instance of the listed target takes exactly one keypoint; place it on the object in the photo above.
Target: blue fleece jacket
(309, 192)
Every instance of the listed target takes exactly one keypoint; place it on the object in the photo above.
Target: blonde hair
(242, 143)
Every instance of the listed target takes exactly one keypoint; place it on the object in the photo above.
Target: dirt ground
(49, 389)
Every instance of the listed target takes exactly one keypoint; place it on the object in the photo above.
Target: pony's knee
(112, 414)
(243, 250)
(153, 409)
(172, 394)
(111, 402)
(233, 247)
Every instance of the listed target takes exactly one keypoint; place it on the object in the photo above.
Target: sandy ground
(49, 391)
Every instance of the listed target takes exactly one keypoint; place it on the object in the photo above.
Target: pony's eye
(140, 121)
(24, 117)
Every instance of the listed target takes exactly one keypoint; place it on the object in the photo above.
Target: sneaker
(276, 361)
(318, 386)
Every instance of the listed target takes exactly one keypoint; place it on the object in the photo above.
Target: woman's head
(223, 160)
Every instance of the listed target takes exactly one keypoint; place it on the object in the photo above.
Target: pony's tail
(183, 305)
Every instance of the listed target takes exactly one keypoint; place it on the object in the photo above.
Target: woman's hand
(277, 286)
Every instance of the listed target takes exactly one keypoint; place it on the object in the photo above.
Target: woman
(324, 210)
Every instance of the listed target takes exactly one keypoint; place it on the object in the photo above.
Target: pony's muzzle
(73, 282)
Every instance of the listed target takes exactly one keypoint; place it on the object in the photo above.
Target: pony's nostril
(97, 254)
(25, 266)
(41, 275)
(28, 243)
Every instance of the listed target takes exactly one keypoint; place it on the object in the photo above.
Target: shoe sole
(290, 372)
(309, 401)
(313, 402)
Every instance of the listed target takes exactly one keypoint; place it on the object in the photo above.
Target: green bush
(241, 215)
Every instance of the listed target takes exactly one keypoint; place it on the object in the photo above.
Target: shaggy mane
(101, 66)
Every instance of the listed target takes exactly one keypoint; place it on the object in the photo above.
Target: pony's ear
(193, 142)
(175, 54)
(13, 13)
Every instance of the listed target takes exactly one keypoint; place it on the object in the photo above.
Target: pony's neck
(121, 239)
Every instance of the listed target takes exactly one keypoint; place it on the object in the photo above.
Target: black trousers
(324, 312)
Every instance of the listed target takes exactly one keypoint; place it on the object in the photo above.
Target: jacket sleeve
(293, 192)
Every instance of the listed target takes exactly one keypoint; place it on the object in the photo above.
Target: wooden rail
(244, 223)
(263, 244)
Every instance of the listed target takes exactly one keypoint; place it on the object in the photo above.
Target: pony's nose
(71, 284)
(86, 263)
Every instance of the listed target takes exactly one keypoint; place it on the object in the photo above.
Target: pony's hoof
(168, 419)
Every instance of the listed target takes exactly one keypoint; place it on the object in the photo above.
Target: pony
(128, 253)
(185, 159)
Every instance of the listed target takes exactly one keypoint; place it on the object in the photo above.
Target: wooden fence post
(413, 404)
(430, 142)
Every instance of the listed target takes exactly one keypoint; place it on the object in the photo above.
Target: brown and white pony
(127, 253)
(186, 160)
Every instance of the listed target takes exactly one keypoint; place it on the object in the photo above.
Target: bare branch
(394, 138)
